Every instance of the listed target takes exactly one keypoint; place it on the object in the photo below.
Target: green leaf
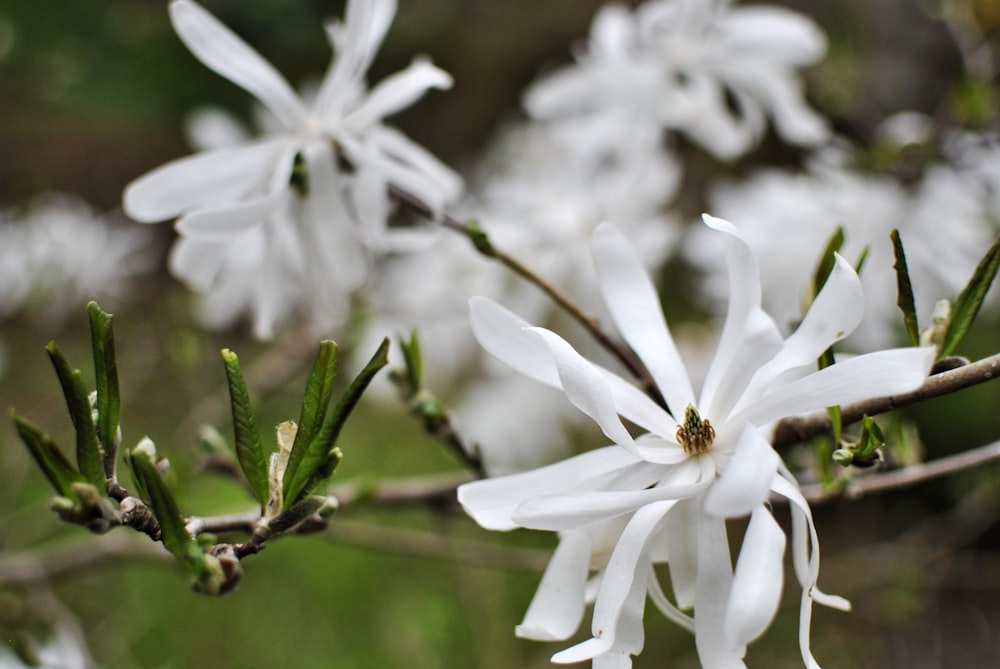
(414, 360)
(88, 450)
(319, 390)
(106, 377)
(826, 261)
(862, 259)
(50, 459)
(248, 448)
(296, 514)
(175, 536)
(319, 457)
(966, 306)
(904, 290)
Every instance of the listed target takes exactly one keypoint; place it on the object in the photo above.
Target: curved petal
(639, 408)
(757, 580)
(621, 598)
(221, 50)
(206, 178)
(775, 34)
(714, 584)
(504, 336)
(397, 92)
(681, 531)
(218, 224)
(197, 262)
(394, 143)
(865, 376)
(746, 480)
(635, 307)
(557, 608)
(492, 502)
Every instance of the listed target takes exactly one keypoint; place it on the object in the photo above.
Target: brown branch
(792, 431)
(485, 247)
(50, 564)
(905, 477)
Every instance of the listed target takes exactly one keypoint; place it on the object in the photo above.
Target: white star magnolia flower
(280, 209)
(684, 65)
(665, 496)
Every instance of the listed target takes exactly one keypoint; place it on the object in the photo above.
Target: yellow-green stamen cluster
(695, 434)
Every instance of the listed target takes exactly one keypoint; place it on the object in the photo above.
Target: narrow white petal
(223, 51)
(404, 149)
(714, 583)
(621, 598)
(777, 34)
(746, 480)
(396, 93)
(681, 532)
(635, 307)
(504, 336)
(557, 608)
(197, 262)
(210, 177)
(757, 580)
(492, 502)
(863, 377)
(222, 223)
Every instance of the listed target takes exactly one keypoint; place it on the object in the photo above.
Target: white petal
(557, 608)
(206, 178)
(757, 580)
(714, 582)
(219, 224)
(399, 146)
(635, 307)
(197, 262)
(746, 480)
(221, 50)
(491, 502)
(775, 34)
(617, 621)
(681, 532)
(863, 377)
(504, 336)
(397, 92)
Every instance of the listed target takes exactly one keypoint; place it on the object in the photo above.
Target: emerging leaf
(321, 457)
(966, 306)
(319, 390)
(50, 459)
(88, 450)
(249, 451)
(827, 261)
(904, 289)
(106, 377)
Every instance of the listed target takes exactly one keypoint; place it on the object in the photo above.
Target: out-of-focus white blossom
(283, 213)
(709, 69)
(58, 253)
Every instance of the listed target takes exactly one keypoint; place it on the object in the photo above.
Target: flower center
(695, 434)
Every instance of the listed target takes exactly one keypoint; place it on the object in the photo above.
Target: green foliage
(249, 451)
(904, 290)
(967, 305)
(106, 377)
(320, 456)
(88, 450)
(57, 469)
(827, 261)
(315, 401)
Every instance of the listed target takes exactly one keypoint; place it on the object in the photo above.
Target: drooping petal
(210, 177)
(863, 377)
(222, 223)
(503, 335)
(223, 51)
(714, 584)
(621, 598)
(196, 262)
(773, 33)
(757, 580)
(557, 608)
(394, 143)
(635, 307)
(681, 531)
(746, 480)
(492, 502)
(397, 92)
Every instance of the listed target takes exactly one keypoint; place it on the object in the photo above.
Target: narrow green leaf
(319, 390)
(323, 472)
(317, 457)
(248, 447)
(296, 514)
(966, 306)
(175, 536)
(106, 376)
(88, 450)
(862, 259)
(904, 290)
(826, 261)
(50, 459)
(414, 360)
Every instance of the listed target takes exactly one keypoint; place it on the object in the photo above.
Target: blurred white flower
(285, 209)
(665, 496)
(704, 68)
(58, 253)
(788, 217)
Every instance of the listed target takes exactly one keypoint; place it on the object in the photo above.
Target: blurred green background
(93, 94)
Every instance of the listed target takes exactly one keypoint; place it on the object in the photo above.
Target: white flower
(665, 496)
(287, 195)
(703, 68)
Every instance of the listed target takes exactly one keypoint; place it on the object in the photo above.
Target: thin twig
(792, 431)
(49, 564)
(485, 247)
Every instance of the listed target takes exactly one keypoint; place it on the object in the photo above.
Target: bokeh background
(94, 94)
